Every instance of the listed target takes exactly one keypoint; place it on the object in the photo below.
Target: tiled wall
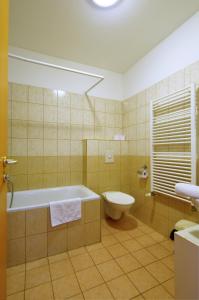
(160, 212)
(46, 132)
(101, 176)
(46, 136)
(31, 237)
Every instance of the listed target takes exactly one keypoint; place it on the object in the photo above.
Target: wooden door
(3, 139)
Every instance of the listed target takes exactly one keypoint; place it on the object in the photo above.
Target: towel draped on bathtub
(65, 211)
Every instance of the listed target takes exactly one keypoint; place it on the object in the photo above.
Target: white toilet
(116, 203)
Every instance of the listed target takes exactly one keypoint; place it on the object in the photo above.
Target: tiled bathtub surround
(46, 132)
(31, 237)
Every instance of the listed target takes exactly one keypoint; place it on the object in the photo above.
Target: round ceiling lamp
(105, 3)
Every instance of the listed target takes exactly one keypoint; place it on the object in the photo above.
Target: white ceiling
(77, 30)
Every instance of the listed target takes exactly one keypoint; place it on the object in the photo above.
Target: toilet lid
(119, 198)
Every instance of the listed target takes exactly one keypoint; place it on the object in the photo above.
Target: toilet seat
(118, 198)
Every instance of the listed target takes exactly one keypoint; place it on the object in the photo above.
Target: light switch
(109, 157)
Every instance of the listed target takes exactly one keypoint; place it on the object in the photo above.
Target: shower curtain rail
(53, 66)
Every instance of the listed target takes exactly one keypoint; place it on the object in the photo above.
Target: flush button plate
(109, 157)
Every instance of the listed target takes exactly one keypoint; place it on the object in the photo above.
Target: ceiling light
(105, 3)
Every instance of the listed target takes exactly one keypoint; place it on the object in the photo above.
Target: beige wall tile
(16, 252)
(35, 112)
(36, 221)
(92, 211)
(76, 237)
(50, 97)
(19, 110)
(16, 283)
(16, 225)
(36, 246)
(50, 113)
(57, 241)
(92, 232)
(19, 92)
(35, 95)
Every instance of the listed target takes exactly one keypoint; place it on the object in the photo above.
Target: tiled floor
(132, 262)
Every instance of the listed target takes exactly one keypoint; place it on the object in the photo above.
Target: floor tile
(170, 286)
(81, 262)
(144, 257)
(169, 245)
(15, 270)
(128, 263)
(94, 247)
(142, 280)
(77, 297)
(160, 271)
(89, 278)
(109, 240)
(17, 296)
(40, 292)
(100, 256)
(61, 268)
(146, 229)
(65, 287)
(109, 270)
(57, 257)
(117, 250)
(169, 262)
(146, 240)
(158, 251)
(157, 237)
(15, 283)
(105, 231)
(135, 233)
(132, 245)
(157, 293)
(139, 297)
(78, 251)
(37, 276)
(122, 236)
(37, 263)
(122, 288)
(100, 292)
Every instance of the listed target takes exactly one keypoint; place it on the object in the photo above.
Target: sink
(187, 263)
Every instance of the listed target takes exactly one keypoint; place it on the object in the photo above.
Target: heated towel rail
(173, 141)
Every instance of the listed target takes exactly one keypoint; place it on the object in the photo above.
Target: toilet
(117, 203)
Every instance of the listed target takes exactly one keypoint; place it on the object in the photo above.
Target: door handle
(8, 161)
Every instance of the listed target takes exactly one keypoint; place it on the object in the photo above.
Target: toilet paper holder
(143, 172)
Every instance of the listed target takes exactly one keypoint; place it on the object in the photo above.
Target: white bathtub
(42, 197)
(29, 223)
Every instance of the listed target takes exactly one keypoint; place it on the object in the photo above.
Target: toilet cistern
(188, 190)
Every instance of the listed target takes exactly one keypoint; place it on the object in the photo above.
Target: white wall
(28, 73)
(177, 51)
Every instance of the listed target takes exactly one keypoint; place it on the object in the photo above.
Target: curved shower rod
(39, 62)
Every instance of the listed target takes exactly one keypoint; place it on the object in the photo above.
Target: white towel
(65, 211)
(187, 190)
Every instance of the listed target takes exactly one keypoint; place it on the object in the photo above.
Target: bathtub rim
(93, 196)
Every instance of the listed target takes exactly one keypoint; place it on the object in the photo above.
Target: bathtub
(42, 197)
(30, 234)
